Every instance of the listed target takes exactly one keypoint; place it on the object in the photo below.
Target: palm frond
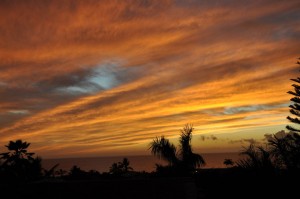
(197, 160)
(163, 149)
(185, 147)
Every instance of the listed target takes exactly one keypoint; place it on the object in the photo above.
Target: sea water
(138, 163)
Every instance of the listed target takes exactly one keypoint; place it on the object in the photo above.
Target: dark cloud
(253, 108)
(267, 137)
(245, 141)
(279, 134)
(211, 137)
(52, 90)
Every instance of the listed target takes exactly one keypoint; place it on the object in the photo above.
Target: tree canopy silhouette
(17, 151)
(283, 148)
(181, 158)
(289, 146)
(120, 167)
(295, 107)
(228, 162)
(20, 164)
(257, 158)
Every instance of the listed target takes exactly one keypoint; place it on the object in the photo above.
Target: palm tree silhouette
(184, 159)
(20, 164)
(286, 150)
(17, 152)
(125, 163)
(120, 167)
(257, 158)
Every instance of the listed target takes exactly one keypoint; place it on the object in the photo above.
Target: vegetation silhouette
(120, 168)
(295, 107)
(257, 158)
(283, 149)
(181, 160)
(228, 162)
(51, 172)
(18, 164)
(60, 172)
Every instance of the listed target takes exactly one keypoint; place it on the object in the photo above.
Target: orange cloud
(99, 78)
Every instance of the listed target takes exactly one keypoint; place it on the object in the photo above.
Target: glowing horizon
(95, 78)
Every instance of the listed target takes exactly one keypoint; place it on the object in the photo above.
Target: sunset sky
(102, 78)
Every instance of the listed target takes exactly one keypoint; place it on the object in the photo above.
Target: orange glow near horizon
(101, 78)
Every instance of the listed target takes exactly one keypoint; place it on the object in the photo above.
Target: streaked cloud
(19, 112)
(252, 108)
(245, 141)
(103, 77)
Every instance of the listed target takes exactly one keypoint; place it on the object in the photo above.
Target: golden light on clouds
(88, 78)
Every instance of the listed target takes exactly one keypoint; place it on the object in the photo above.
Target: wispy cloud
(19, 112)
(245, 141)
(252, 108)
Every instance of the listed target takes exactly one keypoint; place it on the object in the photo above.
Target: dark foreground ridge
(207, 183)
(134, 188)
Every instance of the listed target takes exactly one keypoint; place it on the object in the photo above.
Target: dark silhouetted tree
(51, 172)
(77, 173)
(125, 165)
(256, 158)
(60, 173)
(184, 160)
(20, 164)
(285, 148)
(114, 169)
(228, 162)
(295, 107)
(163, 149)
(17, 151)
(120, 167)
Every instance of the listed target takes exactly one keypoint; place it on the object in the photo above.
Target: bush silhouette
(228, 162)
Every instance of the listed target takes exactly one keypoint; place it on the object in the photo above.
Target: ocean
(138, 163)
